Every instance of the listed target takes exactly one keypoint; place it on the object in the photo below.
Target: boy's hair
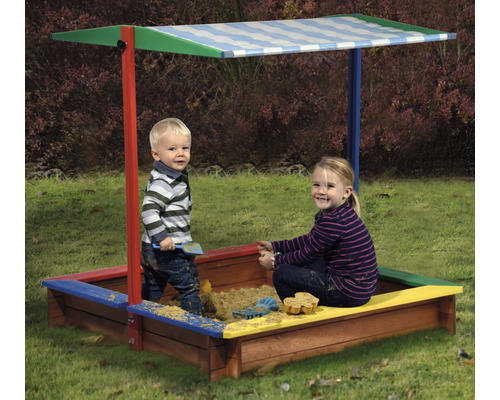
(343, 169)
(173, 125)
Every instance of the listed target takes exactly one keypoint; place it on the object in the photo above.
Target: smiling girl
(336, 260)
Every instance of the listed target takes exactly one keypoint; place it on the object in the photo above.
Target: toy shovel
(187, 247)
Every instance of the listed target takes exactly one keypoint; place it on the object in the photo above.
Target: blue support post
(353, 112)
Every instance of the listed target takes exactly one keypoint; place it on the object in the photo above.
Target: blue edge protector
(146, 309)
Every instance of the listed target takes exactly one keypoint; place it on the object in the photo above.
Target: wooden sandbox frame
(403, 303)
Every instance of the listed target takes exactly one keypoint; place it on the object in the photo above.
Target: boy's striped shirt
(166, 209)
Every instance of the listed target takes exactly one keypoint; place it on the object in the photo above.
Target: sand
(220, 306)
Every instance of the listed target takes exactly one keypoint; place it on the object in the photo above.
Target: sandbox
(109, 300)
(97, 300)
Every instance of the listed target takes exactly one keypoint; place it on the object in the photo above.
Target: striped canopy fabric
(257, 38)
(242, 39)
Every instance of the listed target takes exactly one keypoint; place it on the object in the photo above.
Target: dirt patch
(220, 306)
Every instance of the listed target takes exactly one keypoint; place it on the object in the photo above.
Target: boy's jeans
(290, 279)
(174, 267)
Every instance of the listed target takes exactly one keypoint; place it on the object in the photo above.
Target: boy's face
(328, 189)
(173, 150)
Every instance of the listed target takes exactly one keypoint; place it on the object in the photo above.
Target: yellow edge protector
(273, 321)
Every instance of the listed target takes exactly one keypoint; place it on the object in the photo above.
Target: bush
(417, 103)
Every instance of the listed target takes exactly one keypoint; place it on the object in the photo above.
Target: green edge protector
(145, 38)
(410, 279)
(106, 36)
(391, 24)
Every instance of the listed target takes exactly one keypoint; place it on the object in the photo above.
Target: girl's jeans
(290, 279)
(174, 267)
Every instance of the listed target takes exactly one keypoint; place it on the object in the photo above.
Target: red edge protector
(120, 271)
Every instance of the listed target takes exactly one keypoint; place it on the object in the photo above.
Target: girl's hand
(266, 260)
(167, 244)
(264, 247)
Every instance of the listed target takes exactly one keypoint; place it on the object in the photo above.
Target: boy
(166, 214)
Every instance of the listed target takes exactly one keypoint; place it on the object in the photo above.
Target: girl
(336, 260)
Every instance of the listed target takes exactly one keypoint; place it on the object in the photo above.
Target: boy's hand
(264, 247)
(167, 244)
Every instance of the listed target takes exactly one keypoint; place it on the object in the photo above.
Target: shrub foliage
(417, 105)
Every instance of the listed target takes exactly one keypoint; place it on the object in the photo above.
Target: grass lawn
(425, 226)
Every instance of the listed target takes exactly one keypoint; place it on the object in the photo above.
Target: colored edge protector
(241, 328)
(148, 38)
(182, 319)
(95, 275)
(88, 292)
(377, 302)
(105, 36)
(411, 279)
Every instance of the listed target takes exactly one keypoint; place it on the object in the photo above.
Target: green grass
(423, 226)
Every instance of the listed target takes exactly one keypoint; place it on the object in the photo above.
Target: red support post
(131, 176)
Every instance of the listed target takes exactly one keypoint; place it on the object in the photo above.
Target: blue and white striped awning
(243, 39)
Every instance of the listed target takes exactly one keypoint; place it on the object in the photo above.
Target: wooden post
(233, 358)
(127, 46)
(447, 314)
(55, 308)
(353, 112)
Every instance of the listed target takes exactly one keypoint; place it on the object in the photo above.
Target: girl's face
(328, 190)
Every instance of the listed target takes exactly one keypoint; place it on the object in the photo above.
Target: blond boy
(166, 215)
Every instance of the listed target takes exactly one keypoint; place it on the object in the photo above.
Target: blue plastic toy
(263, 306)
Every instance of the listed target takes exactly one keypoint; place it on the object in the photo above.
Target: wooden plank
(236, 260)
(90, 307)
(228, 253)
(96, 323)
(182, 351)
(385, 286)
(117, 284)
(177, 333)
(233, 273)
(334, 348)
(309, 339)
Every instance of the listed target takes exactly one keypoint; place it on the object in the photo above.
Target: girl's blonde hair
(173, 125)
(343, 169)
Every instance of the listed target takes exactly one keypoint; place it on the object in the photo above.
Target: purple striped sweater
(342, 238)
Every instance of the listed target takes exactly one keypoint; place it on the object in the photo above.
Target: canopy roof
(242, 39)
